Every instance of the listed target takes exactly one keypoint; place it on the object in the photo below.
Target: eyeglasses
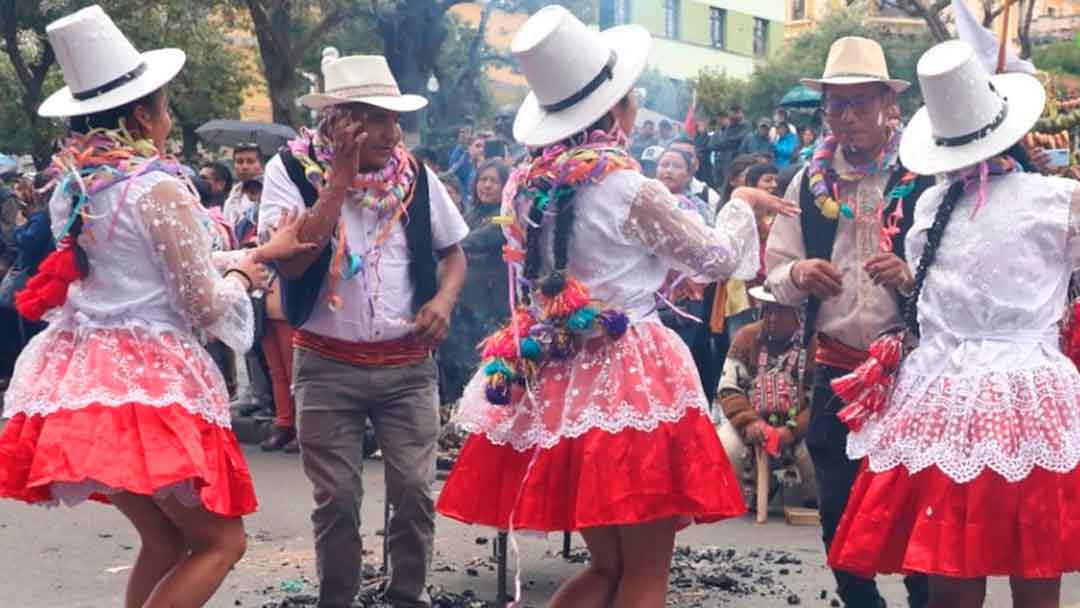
(861, 106)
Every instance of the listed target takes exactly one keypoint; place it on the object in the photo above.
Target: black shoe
(278, 440)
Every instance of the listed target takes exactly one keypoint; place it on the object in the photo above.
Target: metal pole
(500, 553)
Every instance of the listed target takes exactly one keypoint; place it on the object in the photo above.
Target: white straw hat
(855, 60)
(101, 67)
(361, 79)
(969, 115)
(576, 75)
(762, 294)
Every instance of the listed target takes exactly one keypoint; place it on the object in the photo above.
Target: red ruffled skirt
(73, 436)
(927, 523)
(615, 436)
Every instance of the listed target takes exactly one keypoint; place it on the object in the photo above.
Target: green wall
(694, 26)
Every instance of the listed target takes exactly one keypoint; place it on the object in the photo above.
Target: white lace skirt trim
(1008, 421)
(70, 494)
(72, 366)
(638, 382)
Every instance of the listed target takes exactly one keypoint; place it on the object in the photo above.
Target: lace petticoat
(645, 378)
(1008, 421)
(72, 366)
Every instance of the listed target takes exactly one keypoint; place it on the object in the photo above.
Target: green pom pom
(498, 366)
(582, 320)
(774, 419)
(846, 210)
(793, 412)
(531, 349)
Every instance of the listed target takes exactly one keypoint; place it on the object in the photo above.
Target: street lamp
(433, 84)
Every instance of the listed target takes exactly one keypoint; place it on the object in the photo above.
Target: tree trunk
(1027, 11)
(412, 36)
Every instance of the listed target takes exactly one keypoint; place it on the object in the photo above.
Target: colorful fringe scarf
(545, 326)
(824, 179)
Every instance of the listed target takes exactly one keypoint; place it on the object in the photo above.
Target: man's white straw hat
(576, 75)
(102, 69)
(855, 60)
(969, 115)
(361, 79)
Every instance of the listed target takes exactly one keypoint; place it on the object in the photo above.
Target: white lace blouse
(988, 386)
(129, 330)
(629, 231)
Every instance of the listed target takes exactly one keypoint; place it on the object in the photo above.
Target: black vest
(819, 232)
(299, 296)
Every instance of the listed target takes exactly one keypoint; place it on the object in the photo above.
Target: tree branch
(11, 41)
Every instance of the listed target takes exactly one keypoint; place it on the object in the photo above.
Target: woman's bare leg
(593, 587)
(948, 592)
(646, 562)
(162, 546)
(1036, 592)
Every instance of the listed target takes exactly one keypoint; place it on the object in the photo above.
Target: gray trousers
(334, 400)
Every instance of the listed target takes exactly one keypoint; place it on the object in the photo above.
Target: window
(798, 9)
(761, 37)
(1049, 11)
(622, 12)
(718, 27)
(671, 19)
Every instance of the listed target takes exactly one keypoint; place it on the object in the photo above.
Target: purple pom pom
(562, 344)
(497, 390)
(615, 323)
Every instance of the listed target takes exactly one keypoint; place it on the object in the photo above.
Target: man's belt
(391, 353)
(835, 353)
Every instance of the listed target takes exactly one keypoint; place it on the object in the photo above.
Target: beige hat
(361, 79)
(102, 69)
(969, 115)
(762, 294)
(576, 75)
(856, 60)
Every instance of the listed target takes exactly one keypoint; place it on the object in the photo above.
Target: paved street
(78, 558)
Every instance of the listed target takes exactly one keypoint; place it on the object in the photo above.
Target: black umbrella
(267, 136)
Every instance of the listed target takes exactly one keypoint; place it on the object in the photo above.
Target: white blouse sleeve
(220, 306)
(728, 250)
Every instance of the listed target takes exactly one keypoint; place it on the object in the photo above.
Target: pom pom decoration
(49, 287)
(866, 390)
(615, 323)
(562, 344)
(531, 349)
(574, 296)
(498, 389)
(582, 320)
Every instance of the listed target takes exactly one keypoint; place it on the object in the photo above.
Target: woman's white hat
(855, 60)
(361, 79)
(969, 115)
(101, 67)
(576, 75)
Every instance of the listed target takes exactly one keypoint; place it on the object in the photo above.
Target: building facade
(728, 35)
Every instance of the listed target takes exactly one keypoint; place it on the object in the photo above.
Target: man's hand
(818, 277)
(348, 137)
(284, 243)
(888, 270)
(755, 432)
(763, 203)
(433, 321)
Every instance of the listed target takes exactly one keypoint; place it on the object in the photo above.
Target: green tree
(199, 93)
(804, 57)
(1062, 57)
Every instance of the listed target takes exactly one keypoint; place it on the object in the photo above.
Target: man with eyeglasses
(843, 259)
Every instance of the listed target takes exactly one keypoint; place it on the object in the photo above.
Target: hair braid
(564, 222)
(533, 238)
(933, 241)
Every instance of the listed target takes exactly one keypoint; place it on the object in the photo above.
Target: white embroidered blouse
(153, 284)
(988, 386)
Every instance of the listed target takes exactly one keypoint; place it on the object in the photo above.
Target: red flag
(690, 124)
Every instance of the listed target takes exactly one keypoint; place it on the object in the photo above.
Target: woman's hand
(257, 275)
(284, 243)
(761, 200)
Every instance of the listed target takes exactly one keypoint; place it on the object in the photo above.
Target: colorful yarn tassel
(866, 390)
(49, 287)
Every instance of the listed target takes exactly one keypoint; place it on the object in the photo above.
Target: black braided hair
(933, 241)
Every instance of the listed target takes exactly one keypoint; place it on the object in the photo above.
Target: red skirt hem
(679, 470)
(135, 448)
(927, 523)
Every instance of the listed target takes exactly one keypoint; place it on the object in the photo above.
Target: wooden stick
(1004, 36)
(762, 483)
